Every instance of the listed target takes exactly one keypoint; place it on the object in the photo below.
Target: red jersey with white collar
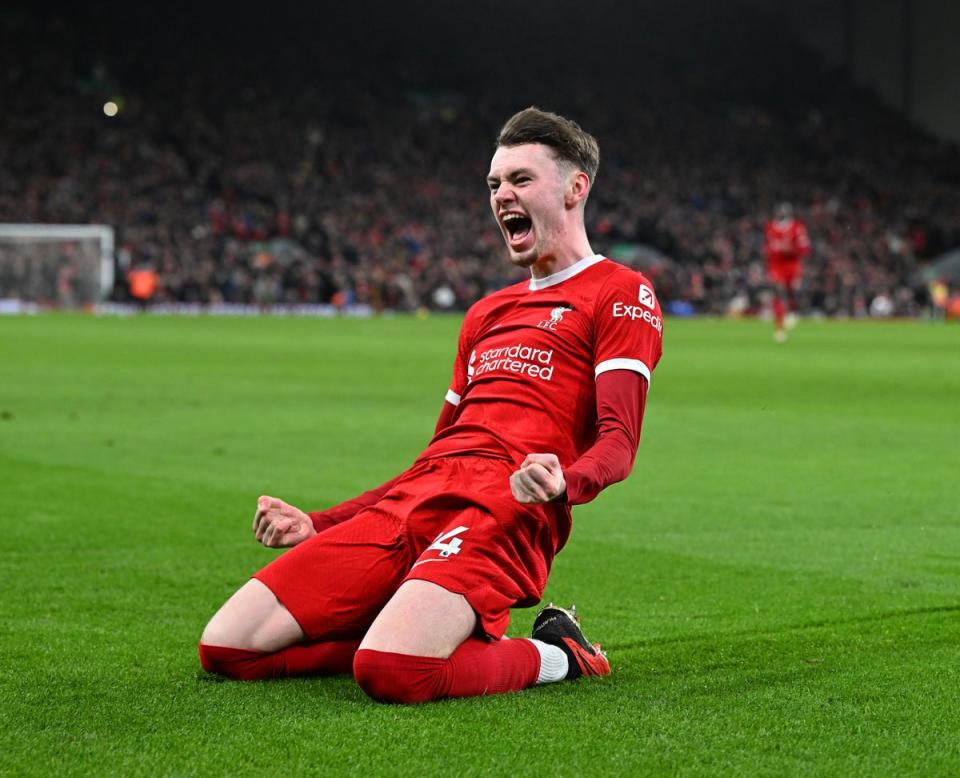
(528, 357)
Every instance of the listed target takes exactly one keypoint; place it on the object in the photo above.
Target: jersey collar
(568, 272)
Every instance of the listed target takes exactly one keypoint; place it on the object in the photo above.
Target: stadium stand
(264, 183)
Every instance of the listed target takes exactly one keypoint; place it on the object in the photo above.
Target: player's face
(527, 188)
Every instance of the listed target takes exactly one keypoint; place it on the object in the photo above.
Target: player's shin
(477, 667)
(323, 658)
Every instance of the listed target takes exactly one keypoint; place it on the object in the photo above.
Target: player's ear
(578, 187)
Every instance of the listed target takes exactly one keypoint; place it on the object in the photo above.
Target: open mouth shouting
(518, 227)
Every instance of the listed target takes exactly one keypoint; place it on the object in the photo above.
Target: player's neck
(561, 259)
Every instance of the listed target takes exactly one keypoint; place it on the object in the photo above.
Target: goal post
(56, 265)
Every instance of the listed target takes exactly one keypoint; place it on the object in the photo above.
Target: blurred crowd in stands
(245, 186)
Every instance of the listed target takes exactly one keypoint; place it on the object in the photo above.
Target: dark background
(334, 153)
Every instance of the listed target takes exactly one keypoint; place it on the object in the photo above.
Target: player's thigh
(422, 619)
(792, 280)
(252, 619)
(335, 583)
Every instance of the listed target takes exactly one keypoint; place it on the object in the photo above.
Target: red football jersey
(786, 240)
(528, 356)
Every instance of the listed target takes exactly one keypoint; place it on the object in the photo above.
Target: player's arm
(278, 524)
(349, 508)
(628, 327)
(621, 398)
(321, 520)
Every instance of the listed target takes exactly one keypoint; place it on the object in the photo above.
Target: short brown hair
(569, 142)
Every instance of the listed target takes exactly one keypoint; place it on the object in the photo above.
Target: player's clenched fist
(538, 480)
(278, 525)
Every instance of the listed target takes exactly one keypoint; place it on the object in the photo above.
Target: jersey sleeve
(621, 395)
(628, 326)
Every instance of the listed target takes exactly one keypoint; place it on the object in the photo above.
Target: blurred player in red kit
(410, 586)
(786, 245)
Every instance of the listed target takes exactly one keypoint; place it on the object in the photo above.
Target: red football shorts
(784, 271)
(451, 521)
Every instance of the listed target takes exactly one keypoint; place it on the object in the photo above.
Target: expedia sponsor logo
(621, 311)
(519, 359)
(646, 297)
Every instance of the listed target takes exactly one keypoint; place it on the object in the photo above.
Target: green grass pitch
(777, 583)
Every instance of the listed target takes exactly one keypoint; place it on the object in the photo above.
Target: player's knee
(209, 659)
(399, 678)
(215, 659)
(254, 623)
(239, 664)
(218, 633)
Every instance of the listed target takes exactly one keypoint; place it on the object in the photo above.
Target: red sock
(778, 312)
(327, 658)
(476, 667)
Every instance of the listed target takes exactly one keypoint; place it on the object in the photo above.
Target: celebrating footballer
(409, 586)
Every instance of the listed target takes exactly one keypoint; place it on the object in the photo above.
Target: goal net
(55, 265)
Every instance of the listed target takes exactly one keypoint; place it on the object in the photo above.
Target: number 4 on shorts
(447, 543)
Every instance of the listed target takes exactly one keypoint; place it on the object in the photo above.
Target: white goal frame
(64, 232)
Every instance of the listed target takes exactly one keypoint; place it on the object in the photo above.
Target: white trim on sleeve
(452, 397)
(623, 364)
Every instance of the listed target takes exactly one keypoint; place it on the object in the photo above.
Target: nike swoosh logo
(424, 561)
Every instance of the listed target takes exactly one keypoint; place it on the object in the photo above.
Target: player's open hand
(277, 524)
(538, 480)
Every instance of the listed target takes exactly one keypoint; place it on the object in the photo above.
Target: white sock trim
(553, 662)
